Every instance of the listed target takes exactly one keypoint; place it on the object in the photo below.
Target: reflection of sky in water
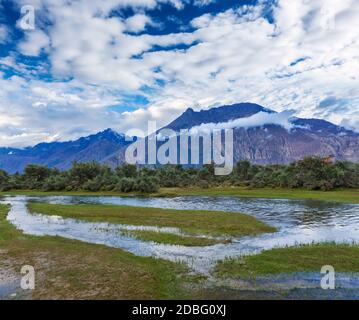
(279, 212)
(300, 221)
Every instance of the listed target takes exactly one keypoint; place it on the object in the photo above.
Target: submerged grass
(215, 223)
(70, 269)
(304, 258)
(168, 238)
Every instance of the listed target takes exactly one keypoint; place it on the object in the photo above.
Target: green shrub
(147, 184)
(126, 185)
(55, 183)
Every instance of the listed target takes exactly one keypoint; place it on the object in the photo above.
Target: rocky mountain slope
(264, 143)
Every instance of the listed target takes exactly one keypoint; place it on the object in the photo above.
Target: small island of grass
(304, 258)
(191, 222)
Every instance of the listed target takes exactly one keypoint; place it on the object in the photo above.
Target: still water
(299, 222)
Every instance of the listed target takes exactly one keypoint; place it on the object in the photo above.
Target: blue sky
(90, 65)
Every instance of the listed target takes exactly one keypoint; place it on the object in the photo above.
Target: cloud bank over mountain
(260, 135)
(257, 120)
(90, 65)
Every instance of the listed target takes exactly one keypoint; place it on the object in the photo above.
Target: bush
(127, 171)
(204, 184)
(126, 185)
(35, 176)
(80, 173)
(312, 173)
(93, 185)
(169, 176)
(147, 185)
(5, 184)
(55, 183)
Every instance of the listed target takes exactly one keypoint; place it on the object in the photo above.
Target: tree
(127, 171)
(204, 173)
(126, 185)
(4, 181)
(80, 173)
(312, 173)
(169, 176)
(55, 183)
(35, 176)
(147, 184)
(242, 169)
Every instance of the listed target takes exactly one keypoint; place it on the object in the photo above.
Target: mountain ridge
(263, 144)
(191, 118)
(94, 147)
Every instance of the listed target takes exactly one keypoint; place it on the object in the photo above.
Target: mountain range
(265, 143)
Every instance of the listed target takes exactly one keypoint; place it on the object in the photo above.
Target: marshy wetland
(183, 247)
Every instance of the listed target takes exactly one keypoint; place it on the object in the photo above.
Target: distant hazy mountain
(95, 147)
(262, 144)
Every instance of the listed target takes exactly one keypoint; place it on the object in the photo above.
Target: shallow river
(299, 221)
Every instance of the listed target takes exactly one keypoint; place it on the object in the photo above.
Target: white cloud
(4, 34)
(307, 55)
(138, 22)
(94, 48)
(34, 43)
(257, 120)
(202, 3)
(242, 57)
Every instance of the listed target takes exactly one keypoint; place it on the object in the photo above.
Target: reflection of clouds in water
(299, 222)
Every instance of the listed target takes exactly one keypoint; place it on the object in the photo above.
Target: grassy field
(67, 269)
(344, 258)
(214, 223)
(168, 238)
(40, 193)
(346, 195)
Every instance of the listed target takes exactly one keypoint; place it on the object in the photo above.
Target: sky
(90, 65)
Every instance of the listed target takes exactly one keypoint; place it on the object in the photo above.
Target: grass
(306, 258)
(168, 238)
(215, 223)
(65, 193)
(344, 195)
(68, 269)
